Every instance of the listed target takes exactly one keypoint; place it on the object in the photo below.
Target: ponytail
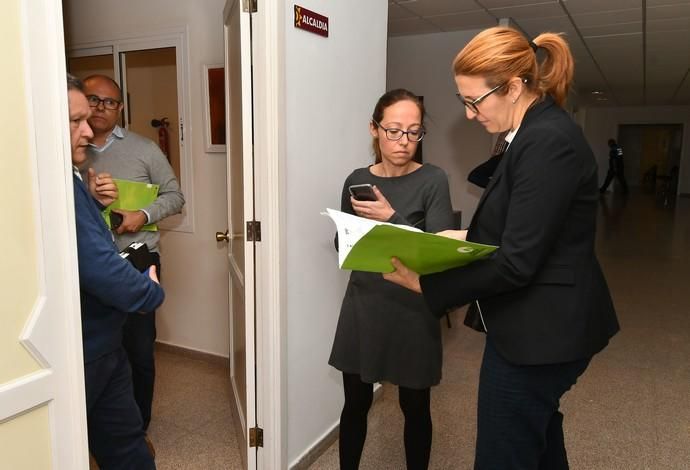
(555, 73)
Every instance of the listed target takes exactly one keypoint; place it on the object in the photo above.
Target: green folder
(133, 196)
(372, 244)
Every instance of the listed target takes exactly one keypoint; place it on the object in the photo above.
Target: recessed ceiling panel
(668, 12)
(599, 18)
(556, 24)
(542, 10)
(576, 7)
(674, 24)
(490, 4)
(396, 12)
(656, 3)
(612, 29)
(439, 7)
(470, 20)
(411, 26)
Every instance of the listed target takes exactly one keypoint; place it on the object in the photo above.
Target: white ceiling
(635, 51)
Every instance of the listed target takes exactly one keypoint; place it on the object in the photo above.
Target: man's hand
(132, 221)
(102, 187)
(403, 276)
(153, 274)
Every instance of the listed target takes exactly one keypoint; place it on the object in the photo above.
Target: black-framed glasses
(393, 133)
(472, 105)
(108, 103)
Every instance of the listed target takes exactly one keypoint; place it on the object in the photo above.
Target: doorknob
(225, 237)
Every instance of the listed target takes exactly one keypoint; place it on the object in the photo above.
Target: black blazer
(542, 297)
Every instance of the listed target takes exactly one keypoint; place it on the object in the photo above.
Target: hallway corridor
(631, 409)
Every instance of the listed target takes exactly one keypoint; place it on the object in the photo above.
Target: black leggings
(415, 405)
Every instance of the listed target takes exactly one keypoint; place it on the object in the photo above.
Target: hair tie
(533, 46)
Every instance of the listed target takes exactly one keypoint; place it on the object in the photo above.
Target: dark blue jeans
(138, 338)
(116, 437)
(519, 426)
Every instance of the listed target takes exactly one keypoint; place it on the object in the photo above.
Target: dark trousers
(616, 170)
(138, 338)
(416, 407)
(519, 426)
(116, 437)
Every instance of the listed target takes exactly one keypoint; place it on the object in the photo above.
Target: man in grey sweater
(129, 156)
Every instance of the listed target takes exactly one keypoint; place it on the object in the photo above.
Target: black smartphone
(115, 220)
(362, 192)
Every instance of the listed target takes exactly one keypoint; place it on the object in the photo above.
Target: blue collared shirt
(116, 133)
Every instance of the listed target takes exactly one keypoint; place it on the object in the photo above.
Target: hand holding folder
(368, 245)
(133, 196)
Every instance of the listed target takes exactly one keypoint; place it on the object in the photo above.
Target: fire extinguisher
(163, 137)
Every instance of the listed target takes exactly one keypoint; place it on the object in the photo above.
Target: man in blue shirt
(110, 290)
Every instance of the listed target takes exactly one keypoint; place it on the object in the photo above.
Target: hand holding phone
(362, 192)
(115, 220)
(368, 201)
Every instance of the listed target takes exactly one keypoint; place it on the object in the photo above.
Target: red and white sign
(311, 21)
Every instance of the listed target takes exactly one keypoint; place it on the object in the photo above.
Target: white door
(42, 411)
(241, 243)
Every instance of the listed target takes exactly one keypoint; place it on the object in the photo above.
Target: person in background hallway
(385, 333)
(129, 156)
(541, 299)
(109, 287)
(616, 168)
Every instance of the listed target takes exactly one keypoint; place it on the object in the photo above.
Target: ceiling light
(597, 92)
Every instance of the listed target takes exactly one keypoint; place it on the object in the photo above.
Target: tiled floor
(631, 409)
(192, 427)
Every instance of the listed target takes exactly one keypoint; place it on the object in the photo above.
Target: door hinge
(256, 437)
(249, 6)
(253, 231)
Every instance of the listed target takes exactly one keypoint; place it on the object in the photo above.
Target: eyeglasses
(472, 105)
(108, 103)
(393, 133)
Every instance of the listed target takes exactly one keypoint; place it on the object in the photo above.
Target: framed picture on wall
(214, 107)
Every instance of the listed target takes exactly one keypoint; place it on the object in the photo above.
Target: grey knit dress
(385, 332)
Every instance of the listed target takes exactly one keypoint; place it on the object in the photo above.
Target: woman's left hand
(403, 276)
(380, 209)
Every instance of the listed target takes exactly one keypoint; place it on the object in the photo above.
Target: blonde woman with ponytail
(542, 300)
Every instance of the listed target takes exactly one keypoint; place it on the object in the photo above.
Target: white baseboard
(316, 450)
(193, 353)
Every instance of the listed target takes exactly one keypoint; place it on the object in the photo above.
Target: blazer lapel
(500, 169)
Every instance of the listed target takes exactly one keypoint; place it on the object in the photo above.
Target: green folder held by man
(133, 196)
(368, 245)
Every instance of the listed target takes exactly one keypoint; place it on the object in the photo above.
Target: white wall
(422, 64)
(332, 86)
(194, 267)
(602, 124)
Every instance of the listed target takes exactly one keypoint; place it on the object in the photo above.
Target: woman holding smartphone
(385, 332)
